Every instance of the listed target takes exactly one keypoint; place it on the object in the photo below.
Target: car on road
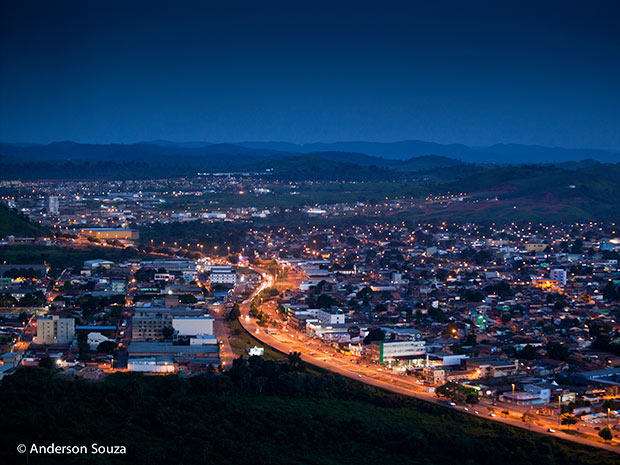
(550, 430)
(452, 404)
(492, 415)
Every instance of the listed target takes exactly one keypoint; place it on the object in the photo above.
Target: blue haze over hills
(357, 152)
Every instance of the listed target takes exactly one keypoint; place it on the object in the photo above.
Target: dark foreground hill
(258, 413)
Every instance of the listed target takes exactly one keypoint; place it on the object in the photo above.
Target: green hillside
(12, 223)
(544, 192)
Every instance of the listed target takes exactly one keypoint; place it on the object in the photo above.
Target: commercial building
(200, 356)
(490, 367)
(223, 275)
(170, 265)
(55, 330)
(389, 351)
(521, 398)
(161, 364)
(98, 263)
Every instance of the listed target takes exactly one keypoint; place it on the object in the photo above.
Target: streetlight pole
(608, 409)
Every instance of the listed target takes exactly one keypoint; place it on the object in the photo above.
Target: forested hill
(259, 412)
(12, 223)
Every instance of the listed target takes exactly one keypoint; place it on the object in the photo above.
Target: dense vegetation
(58, 258)
(13, 223)
(260, 412)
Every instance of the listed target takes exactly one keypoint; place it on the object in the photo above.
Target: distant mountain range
(530, 182)
(252, 151)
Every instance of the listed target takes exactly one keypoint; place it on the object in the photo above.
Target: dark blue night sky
(470, 72)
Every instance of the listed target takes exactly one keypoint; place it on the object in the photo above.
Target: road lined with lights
(337, 363)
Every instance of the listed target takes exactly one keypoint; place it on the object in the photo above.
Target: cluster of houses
(522, 312)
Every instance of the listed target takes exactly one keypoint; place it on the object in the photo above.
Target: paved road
(219, 315)
(318, 354)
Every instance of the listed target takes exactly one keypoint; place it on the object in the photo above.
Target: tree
(437, 314)
(365, 294)
(235, 312)
(187, 299)
(83, 346)
(144, 274)
(557, 351)
(294, 360)
(568, 420)
(527, 353)
(47, 363)
(470, 340)
(167, 332)
(106, 347)
(375, 334)
(457, 393)
(605, 433)
(34, 299)
(7, 300)
(472, 399)
(325, 301)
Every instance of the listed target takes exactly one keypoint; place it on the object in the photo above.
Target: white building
(151, 364)
(542, 390)
(397, 279)
(223, 277)
(322, 316)
(388, 351)
(559, 275)
(55, 330)
(95, 338)
(192, 325)
(328, 318)
(214, 215)
(52, 205)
